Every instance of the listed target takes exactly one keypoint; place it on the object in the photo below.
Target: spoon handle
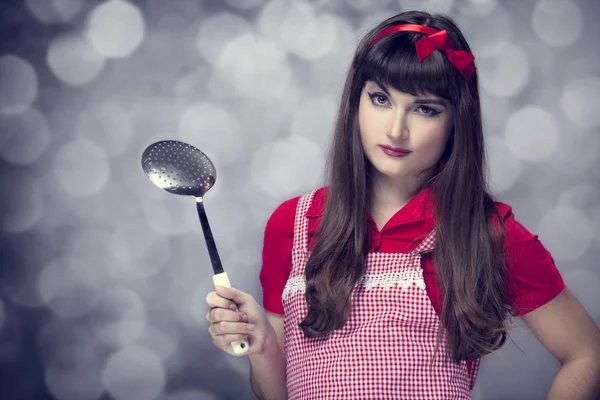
(208, 237)
(240, 347)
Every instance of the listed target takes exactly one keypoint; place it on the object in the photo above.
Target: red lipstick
(394, 151)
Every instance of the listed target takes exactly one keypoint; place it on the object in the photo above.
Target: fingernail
(233, 307)
(250, 327)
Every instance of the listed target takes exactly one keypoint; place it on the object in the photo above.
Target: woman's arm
(568, 332)
(267, 368)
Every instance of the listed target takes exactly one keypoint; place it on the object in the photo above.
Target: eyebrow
(418, 100)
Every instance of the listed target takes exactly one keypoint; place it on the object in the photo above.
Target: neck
(391, 194)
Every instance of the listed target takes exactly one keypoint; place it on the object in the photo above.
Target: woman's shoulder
(285, 213)
(504, 211)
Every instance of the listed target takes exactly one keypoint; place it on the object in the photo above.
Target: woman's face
(402, 135)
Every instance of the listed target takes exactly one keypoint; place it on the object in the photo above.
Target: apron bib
(385, 349)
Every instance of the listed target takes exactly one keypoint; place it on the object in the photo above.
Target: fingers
(233, 294)
(221, 314)
(214, 300)
(224, 341)
(229, 328)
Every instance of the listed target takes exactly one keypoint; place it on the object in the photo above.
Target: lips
(394, 151)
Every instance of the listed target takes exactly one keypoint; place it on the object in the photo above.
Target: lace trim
(403, 279)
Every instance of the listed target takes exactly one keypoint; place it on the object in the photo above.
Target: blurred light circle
(92, 245)
(327, 72)
(108, 125)
(290, 24)
(477, 7)
(244, 4)
(566, 232)
(438, 6)
(143, 251)
(73, 60)
(583, 196)
(314, 118)
(214, 130)
(489, 34)
(580, 101)
(327, 34)
(114, 204)
(18, 84)
(67, 293)
(577, 154)
(165, 218)
(119, 318)
(496, 111)
(54, 11)
(505, 168)
(259, 55)
(557, 23)
(22, 206)
(134, 373)
(26, 137)
(532, 133)
(162, 343)
(190, 395)
(197, 308)
(505, 72)
(193, 82)
(67, 9)
(81, 383)
(287, 166)
(585, 284)
(371, 20)
(366, 5)
(217, 31)
(190, 9)
(116, 28)
(24, 290)
(65, 345)
(43, 10)
(81, 168)
(264, 73)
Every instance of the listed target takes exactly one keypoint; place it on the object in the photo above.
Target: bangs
(395, 63)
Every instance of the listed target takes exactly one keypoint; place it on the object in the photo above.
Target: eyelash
(429, 111)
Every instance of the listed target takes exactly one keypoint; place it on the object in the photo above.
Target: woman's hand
(228, 325)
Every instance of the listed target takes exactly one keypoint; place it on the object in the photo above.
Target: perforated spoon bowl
(181, 168)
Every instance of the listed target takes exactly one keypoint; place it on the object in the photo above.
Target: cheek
(434, 142)
(369, 123)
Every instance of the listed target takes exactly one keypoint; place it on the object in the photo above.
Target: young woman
(395, 279)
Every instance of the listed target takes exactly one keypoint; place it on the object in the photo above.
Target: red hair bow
(435, 40)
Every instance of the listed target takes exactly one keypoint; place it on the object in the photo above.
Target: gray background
(104, 277)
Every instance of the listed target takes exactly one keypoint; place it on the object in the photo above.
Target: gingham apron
(385, 349)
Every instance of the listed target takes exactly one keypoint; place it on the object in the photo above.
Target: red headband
(462, 60)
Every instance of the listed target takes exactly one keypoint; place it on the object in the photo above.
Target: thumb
(233, 294)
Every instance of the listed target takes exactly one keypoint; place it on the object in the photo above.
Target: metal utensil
(180, 168)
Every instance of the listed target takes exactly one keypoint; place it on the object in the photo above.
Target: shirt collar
(415, 210)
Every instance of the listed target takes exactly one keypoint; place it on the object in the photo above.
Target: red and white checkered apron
(385, 349)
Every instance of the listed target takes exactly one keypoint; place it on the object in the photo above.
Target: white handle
(240, 347)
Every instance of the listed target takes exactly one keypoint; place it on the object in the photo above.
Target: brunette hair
(469, 251)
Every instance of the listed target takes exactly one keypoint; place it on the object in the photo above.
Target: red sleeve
(533, 279)
(277, 254)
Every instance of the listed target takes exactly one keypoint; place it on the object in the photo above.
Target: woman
(395, 279)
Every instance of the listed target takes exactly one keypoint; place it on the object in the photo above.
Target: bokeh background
(104, 276)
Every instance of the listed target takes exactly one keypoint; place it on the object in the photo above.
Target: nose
(398, 126)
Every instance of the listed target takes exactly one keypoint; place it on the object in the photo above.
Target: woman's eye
(428, 111)
(378, 99)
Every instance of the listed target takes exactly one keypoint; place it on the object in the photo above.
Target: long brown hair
(468, 257)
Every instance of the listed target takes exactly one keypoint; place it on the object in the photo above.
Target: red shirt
(533, 277)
